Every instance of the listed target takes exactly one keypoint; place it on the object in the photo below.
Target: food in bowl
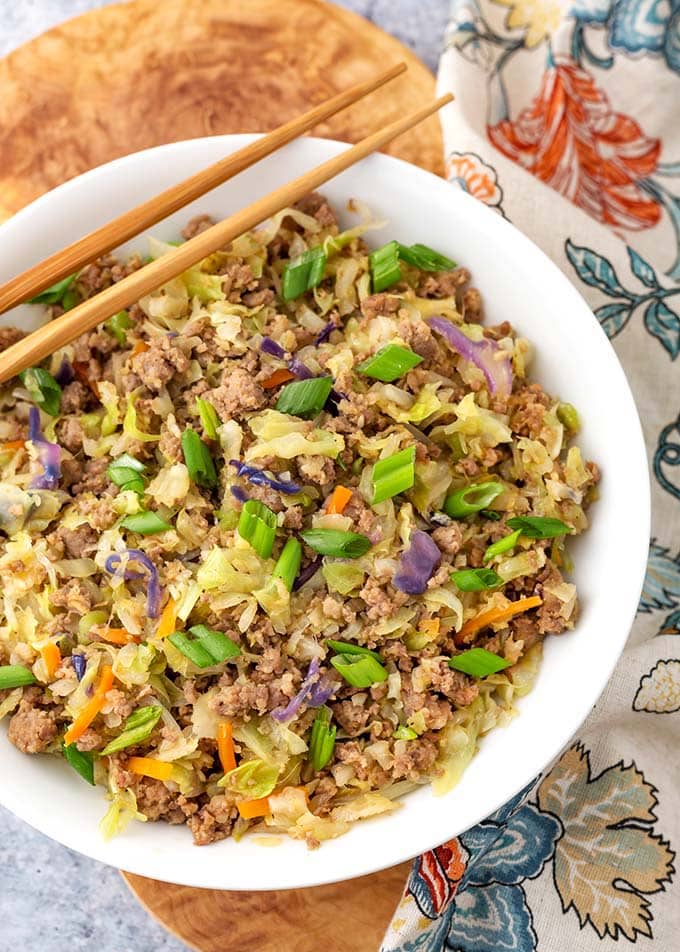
(282, 541)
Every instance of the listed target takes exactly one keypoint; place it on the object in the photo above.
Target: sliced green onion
(478, 662)
(118, 324)
(420, 256)
(405, 733)
(288, 563)
(55, 293)
(394, 475)
(503, 545)
(470, 499)
(303, 273)
(43, 388)
(81, 761)
(126, 473)
(209, 418)
(568, 415)
(349, 648)
(198, 459)
(343, 545)
(491, 514)
(305, 398)
(539, 527)
(15, 676)
(138, 727)
(253, 779)
(322, 739)
(257, 525)
(361, 671)
(476, 580)
(206, 648)
(128, 462)
(389, 362)
(145, 523)
(384, 266)
(70, 299)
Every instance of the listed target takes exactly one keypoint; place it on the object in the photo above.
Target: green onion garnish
(209, 418)
(503, 545)
(476, 580)
(491, 514)
(206, 647)
(478, 662)
(118, 324)
(198, 459)
(394, 475)
(538, 527)
(288, 563)
(303, 273)
(322, 739)
(257, 525)
(389, 362)
(145, 523)
(55, 293)
(81, 761)
(305, 398)
(405, 733)
(126, 472)
(343, 545)
(137, 728)
(470, 499)
(384, 266)
(15, 676)
(349, 648)
(361, 671)
(420, 256)
(568, 415)
(70, 299)
(43, 388)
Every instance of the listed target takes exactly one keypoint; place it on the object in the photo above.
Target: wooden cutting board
(131, 76)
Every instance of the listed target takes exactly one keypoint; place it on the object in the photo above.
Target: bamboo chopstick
(62, 330)
(64, 262)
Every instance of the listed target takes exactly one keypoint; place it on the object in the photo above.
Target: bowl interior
(574, 360)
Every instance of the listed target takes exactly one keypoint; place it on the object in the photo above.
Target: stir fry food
(282, 541)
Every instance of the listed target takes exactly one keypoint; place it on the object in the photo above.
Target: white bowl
(574, 360)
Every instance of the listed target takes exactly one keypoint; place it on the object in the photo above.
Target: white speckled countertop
(54, 900)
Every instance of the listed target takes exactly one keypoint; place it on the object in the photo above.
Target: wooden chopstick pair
(64, 329)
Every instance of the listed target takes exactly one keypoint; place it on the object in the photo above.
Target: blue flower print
(647, 26)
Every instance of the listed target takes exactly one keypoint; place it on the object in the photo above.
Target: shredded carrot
(148, 767)
(92, 708)
(430, 626)
(12, 446)
(495, 616)
(277, 378)
(51, 655)
(339, 499)
(225, 746)
(139, 348)
(116, 636)
(249, 809)
(82, 372)
(168, 620)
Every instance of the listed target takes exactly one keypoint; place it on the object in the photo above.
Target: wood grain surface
(135, 75)
(131, 76)
(345, 917)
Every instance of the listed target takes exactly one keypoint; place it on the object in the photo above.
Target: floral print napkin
(567, 122)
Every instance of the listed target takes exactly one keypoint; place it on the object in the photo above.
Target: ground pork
(170, 444)
(415, 758)
(90, 740)
(449, 538)
(443, 284)
(9, 336)
(76, 543)
(527, 409)
(32, 728)
(214, 821)
(321, 800)
(237, 700)
(454, 685)
(75, 397)
(238, 393)
(317, 469)
(236, 278)
(435, 711)
(258, 298)
(379, 305)
(472, 307)
(353, 718)
(94, 478)
(156, 802)
(196, 225)
(381, 603)
(70, 434)
(100, 512)
(316, 205)
(159, 364)
(74, 596)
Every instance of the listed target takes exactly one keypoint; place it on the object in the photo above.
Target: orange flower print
(474, 176)
(571, 138)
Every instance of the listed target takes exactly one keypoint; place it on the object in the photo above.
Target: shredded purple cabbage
(314, 690)
(485, 354)
(307, 572)
(49, 454)
(258, 477)
(153, 596)
(65, 374)
(79, 663)
(239, 494)
(417, 564)
(325, 333)
(269, 346)
(301, 370)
